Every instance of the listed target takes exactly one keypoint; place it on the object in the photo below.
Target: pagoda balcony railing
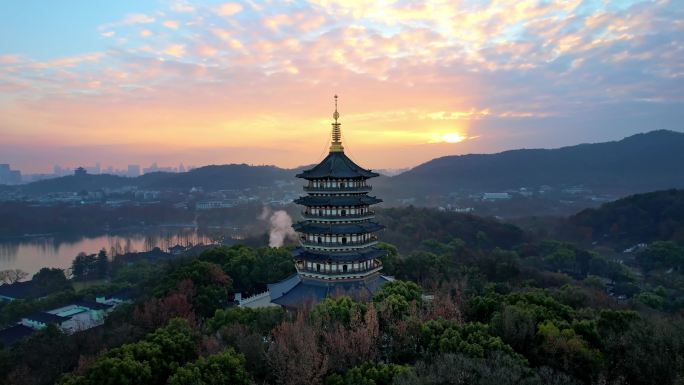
(338, 189)
(372, 240)
(313, 216)
(327, 268)
(338, 276)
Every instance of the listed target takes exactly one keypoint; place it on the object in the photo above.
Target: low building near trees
(17, 290)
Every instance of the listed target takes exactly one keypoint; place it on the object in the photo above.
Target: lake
(31, 254)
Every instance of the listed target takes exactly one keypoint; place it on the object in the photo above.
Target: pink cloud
(228, 9)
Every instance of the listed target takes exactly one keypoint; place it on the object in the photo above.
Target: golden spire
(336, 145)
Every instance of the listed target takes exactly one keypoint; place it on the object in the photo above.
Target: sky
(212, 82)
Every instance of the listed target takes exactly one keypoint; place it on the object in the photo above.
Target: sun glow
(453, 138)
(449, 137)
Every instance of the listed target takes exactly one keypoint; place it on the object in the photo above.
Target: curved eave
(337, 165)
(350, 200)
(344, 228)
(354, 256)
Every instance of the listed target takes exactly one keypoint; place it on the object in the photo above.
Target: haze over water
(32, 254)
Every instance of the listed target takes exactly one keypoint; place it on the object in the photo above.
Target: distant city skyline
(169, 163)
(213, 82)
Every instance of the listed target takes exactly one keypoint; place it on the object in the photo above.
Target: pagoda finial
(336, 145)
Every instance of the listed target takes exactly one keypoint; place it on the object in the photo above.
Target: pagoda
(338, 253)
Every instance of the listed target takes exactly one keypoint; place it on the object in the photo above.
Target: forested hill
(639, 163)
(638, 218)
(230, 176)
(407, 227)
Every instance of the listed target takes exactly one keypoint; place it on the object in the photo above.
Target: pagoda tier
(338, 200)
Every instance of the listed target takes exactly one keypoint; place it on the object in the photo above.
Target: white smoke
(281, 226)
(265, 213)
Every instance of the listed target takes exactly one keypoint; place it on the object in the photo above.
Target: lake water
(32, 254)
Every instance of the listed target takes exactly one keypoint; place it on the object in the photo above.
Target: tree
(12, 275)
(395, 298)
(260, 320)
(157, 312)
(461, 369)
(661, 255)
(149, 361)
(473, 339)
(351, 344)
(390, 259)
(563, 349)
(369, 374)
(79, 267)
(423, 266)
(101, 264)
(211, 285)
(295, 356)
(50, 281)
(341, 310)
(226, 367)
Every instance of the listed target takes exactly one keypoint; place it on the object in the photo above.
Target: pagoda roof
(341, 228)
(337, 165)
(352, 256)
(332, 200)
(296, 291)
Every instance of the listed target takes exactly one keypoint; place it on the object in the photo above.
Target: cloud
(137, 18)
(228, 9)
(173, 24)
(499, 70)
(177, 50)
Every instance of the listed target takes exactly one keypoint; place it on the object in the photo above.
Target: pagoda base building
(338, 253)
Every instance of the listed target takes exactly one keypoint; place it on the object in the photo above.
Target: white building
(495, 196)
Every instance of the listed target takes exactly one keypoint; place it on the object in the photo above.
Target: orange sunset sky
(214, 82)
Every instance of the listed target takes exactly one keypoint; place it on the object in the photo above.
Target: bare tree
(12, 275)
(351, 346)
(294, 354)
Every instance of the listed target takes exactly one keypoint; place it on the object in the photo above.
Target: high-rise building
(133, 170)
(337, 253)
(9, 176)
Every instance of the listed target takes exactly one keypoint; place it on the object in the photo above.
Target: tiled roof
(358, 255)
(92, 305)
(343, 228)
(337, 165)
(46, 318)
(344, 200)
(314, 291)
(17, 290)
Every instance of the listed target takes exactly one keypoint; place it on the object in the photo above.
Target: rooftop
(357, 255)
(46, 318)
(344, 228)
(17, 290)
(351, 200)
(296, 290)
(337, 166)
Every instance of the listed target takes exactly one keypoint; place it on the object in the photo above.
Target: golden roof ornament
(336, 145)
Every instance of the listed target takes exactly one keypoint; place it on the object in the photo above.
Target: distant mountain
(230, 176)
(639, 163)
(638, 218)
